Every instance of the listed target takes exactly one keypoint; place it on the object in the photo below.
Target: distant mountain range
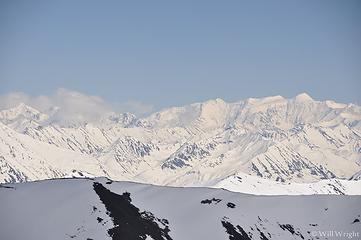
(277, 141)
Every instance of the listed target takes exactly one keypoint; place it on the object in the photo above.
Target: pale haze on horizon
(149, 55)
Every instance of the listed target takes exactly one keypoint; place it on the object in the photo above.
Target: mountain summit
(303, 97)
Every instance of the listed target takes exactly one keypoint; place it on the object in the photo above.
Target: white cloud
(78, 107)
(73, 106)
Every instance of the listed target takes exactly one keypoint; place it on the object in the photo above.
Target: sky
(147, 55)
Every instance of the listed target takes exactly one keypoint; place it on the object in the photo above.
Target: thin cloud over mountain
(69, 106)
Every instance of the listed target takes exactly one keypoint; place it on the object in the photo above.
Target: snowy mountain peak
(21, 109)
(303, 97)
(21, 116)
(213, 105)
(213, 109)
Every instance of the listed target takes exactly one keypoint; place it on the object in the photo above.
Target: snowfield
(102, 209)
(254, 185)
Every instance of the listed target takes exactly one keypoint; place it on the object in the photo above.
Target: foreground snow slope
(102, 209)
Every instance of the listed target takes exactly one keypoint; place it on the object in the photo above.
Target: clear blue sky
(177, 52)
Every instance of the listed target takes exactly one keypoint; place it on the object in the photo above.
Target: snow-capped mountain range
(272, 139)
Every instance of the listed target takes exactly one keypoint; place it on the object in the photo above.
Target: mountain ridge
(286, 140)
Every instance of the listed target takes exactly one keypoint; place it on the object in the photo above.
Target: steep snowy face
(287, 140)
(25, 159)
(310, 152)
(87, 138)
(103, 209)
(126, 157)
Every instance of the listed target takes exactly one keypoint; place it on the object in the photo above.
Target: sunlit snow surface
(254, 185)
(298, 140)
(72, 209)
